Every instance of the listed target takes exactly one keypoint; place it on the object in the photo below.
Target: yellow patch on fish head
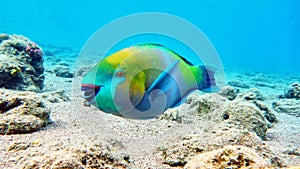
(131, 90)
(116, 58)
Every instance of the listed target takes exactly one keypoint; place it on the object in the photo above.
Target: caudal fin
(208, 82)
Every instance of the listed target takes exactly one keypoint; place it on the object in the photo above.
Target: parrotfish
(143, 81)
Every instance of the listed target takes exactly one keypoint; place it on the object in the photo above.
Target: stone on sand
(55, 96)
(263, 84)
(252, 94)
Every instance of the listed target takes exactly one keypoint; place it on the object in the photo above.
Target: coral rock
(196, 108)
(263, 84)
(21, 63)
(63, 71)
(288, 106)
(21, 112)
(245, 115)
(238, 84)
(182, 151)
(228, 92)
(75, 157)
(293, 92)
(228, 157)
(254, 97)
(253, 94)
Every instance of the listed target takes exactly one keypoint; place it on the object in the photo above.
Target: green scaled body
(143, 81)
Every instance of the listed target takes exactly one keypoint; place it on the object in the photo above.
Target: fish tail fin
(207, 82)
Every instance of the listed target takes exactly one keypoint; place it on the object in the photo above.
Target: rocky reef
(21, 63)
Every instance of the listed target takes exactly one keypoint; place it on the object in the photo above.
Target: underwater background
(252, 122)
(258, 35)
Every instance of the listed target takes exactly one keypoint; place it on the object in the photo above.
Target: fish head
(114, 84)
(131, 89)
(98, 86)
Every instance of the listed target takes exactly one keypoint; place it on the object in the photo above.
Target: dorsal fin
(165, 48)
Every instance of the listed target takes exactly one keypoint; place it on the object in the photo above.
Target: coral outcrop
(75, 155)
(228, 157)
(245, 111)
(183, 151)
(288, 106)
(293, 92)
(289, 102)
(22, 112)
(21, 63)
(247, 116)
(243, 120)
(239, 84)
(63, 71)
(229, 92)
(255, 98)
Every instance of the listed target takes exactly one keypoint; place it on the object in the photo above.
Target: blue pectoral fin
(163, 80)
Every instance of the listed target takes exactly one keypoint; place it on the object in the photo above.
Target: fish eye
(120, 74)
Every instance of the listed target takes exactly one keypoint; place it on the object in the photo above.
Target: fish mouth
(90, 91)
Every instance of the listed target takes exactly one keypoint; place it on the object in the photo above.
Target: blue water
(248, 34)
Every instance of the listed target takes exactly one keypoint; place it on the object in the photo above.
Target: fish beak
(90, 91)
